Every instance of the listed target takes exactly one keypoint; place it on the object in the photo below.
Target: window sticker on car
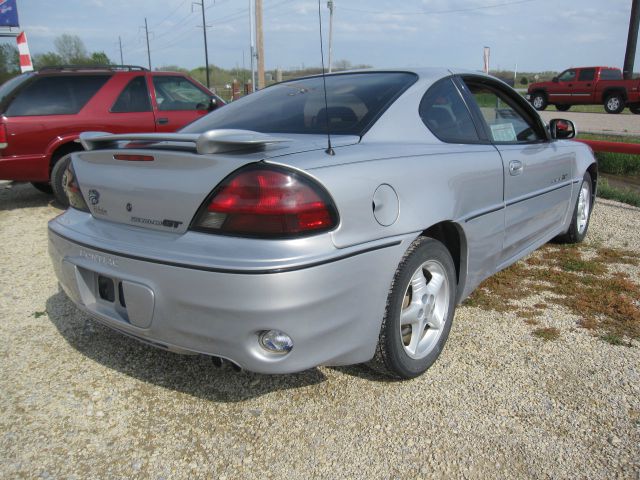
(503, 132)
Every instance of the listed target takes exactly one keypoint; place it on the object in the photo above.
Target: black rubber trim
(227, 270)
(558, 187)
(496, 209)
(493, 210)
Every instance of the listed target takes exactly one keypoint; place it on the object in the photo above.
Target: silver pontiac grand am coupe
(248, 237)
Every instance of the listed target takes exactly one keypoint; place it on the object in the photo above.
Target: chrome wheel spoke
(417, 332)
(409, 315)
(435, 285)
(435, 320)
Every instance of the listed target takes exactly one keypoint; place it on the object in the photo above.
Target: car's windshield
(298, 106)
(10, 85)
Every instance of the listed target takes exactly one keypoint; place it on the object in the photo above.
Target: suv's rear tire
(563, 108)
(614, 103)
(539, 101)
(57, 184)
(635, 108)
(44, 187)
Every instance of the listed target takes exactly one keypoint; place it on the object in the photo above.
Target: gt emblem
(94, 197)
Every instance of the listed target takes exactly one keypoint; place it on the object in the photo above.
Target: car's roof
(424, 73)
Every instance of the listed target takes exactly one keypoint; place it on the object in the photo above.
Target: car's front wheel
(419, 312)
(581, 214)
(635, 109)
(563, 108)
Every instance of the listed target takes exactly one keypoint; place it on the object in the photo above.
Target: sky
(535, 35)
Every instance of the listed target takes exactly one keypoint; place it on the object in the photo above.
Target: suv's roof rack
(73, 68)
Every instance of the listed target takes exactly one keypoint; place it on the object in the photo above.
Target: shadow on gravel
(23, 195)
(365, 373)
(195, 375)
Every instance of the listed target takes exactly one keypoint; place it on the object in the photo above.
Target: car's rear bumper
(332, 310)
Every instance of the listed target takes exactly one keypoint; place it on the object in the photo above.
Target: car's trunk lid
(159, 181)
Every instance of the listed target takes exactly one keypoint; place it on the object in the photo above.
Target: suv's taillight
(3, 136)
(71, 188)
(267, 201)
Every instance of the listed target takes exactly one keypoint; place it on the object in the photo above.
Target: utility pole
(146, 29)
(252, 52)
(204, 31)
(260, 44)
(632, 40)
(120, 42)
(330, 6)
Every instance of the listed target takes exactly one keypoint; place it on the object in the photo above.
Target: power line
(170, 14)
(437, 12)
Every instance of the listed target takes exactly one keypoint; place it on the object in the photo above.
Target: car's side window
(567, 76)
(177, 93)
(587, 74)
(507, 122)
(134, 97)
(56, 95)
(444, 112)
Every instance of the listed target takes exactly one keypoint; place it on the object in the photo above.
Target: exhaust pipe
(219, 362)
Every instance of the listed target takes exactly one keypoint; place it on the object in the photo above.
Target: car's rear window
(56, 95)
(10, 86)
(354, 101)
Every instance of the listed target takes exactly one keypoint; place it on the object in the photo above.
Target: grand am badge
(94, 197)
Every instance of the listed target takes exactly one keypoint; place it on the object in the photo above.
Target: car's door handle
(163, 121)
(588, 84)
(515, 167)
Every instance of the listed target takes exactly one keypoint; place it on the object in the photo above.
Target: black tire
(433, 306)
(539, 101)
(580, 219)
(635, 109)
(614, 103)
(57, 184)
(44, 187)
(563, 108)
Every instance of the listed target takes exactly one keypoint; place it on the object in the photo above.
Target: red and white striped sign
(25, 56)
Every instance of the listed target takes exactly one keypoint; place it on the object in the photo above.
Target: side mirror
(561, 129)
(213, 104)
(555, 80)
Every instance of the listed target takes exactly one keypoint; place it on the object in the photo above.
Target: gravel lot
(79, 401)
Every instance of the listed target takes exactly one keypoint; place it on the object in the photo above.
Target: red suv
(44, 112)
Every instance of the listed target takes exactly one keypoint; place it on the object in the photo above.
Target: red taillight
(267, 201)
(3, 136)
(71, 188)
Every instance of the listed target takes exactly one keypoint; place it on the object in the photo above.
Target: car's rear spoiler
(212, 141)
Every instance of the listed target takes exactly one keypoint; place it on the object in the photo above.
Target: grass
(618, 194)
(616, 163)
(604, 301)
(615, 340)
(547, 334)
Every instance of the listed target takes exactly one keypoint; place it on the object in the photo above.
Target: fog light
(276, 341)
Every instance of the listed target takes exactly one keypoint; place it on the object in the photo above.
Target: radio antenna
(329, 150)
